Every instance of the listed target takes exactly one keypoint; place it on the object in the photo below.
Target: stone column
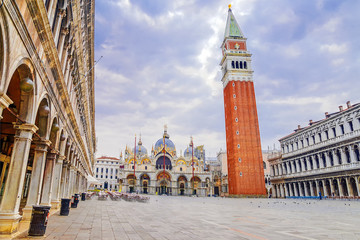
(335, 157)
(343, 156)
(325, 188)
(36, 181)
(286, 190)
(302, 165)
(292, 166)
(296, 193)
(71, 181)
(317, 188)
(321, 163)
(341, 192)
(347, 181)
(5, 101)
(9, 209)
(308, 163)
(301, 190)
(314, 162)
(306, 189)
(298, 168)
(312, 189)
(328, 163)
(57, 30)
(357, 185)
(55, 196)
(332, 187)
(63, 32)
(48, 178)
(352, 154)
(63, 181)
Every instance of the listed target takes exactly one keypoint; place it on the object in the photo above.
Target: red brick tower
(245, 164)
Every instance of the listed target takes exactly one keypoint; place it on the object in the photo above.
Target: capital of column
(65, 31)
(42, 145)
(62, 12)
(61, 159)
(52, 155)
(5, 101)
(25, 131)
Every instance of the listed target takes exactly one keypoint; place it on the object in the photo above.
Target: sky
(161, 60)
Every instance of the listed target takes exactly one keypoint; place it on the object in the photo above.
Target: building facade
(106, 171)
(163, 172)
(47, 135)
(320, 159)
(245, 165)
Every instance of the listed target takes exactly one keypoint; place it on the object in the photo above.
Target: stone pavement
(167, 217)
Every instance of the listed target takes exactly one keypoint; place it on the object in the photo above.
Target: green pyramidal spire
(232, 28)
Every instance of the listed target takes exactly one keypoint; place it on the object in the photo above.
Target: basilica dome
(140, 149)
(169, 145)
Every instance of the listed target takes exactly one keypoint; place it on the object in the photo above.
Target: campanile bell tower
(245, 164)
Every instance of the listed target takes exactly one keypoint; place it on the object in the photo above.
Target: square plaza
(166, 217)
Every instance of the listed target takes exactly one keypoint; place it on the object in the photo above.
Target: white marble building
(322, 158)
(106, 171)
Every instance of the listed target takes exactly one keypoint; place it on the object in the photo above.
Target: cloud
(161, 66)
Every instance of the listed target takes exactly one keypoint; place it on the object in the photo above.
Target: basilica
(163, 172)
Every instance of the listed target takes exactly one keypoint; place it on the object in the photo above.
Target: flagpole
(134, 158)
(164, 153)
(192, 162)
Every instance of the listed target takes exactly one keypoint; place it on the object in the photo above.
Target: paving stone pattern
(175, 218)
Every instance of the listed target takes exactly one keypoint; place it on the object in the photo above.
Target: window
(234, 96)
(110, 177)
(97, 169)
(292, 147)
(106, 176)
(327, 134)
(302, 143)
(342, 129)
(307, 141)
(97, 176)
(240, 174)
(115, 177)
(236, 119)
(102, 170)
(287, 146)
(297, 145)
(107, 170)
(132, 167)
(264, 163)
(351, 126)
(241, 65)
(320, 137)
(237, 132)
(239, 159)
(334, 131)
(233, 84)
(101, 176)
(145, 167)
(313, 138)
(245, 65)
(232, 64)
(235, 107)
(238, 146)
(237, 64)
(181, 169)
